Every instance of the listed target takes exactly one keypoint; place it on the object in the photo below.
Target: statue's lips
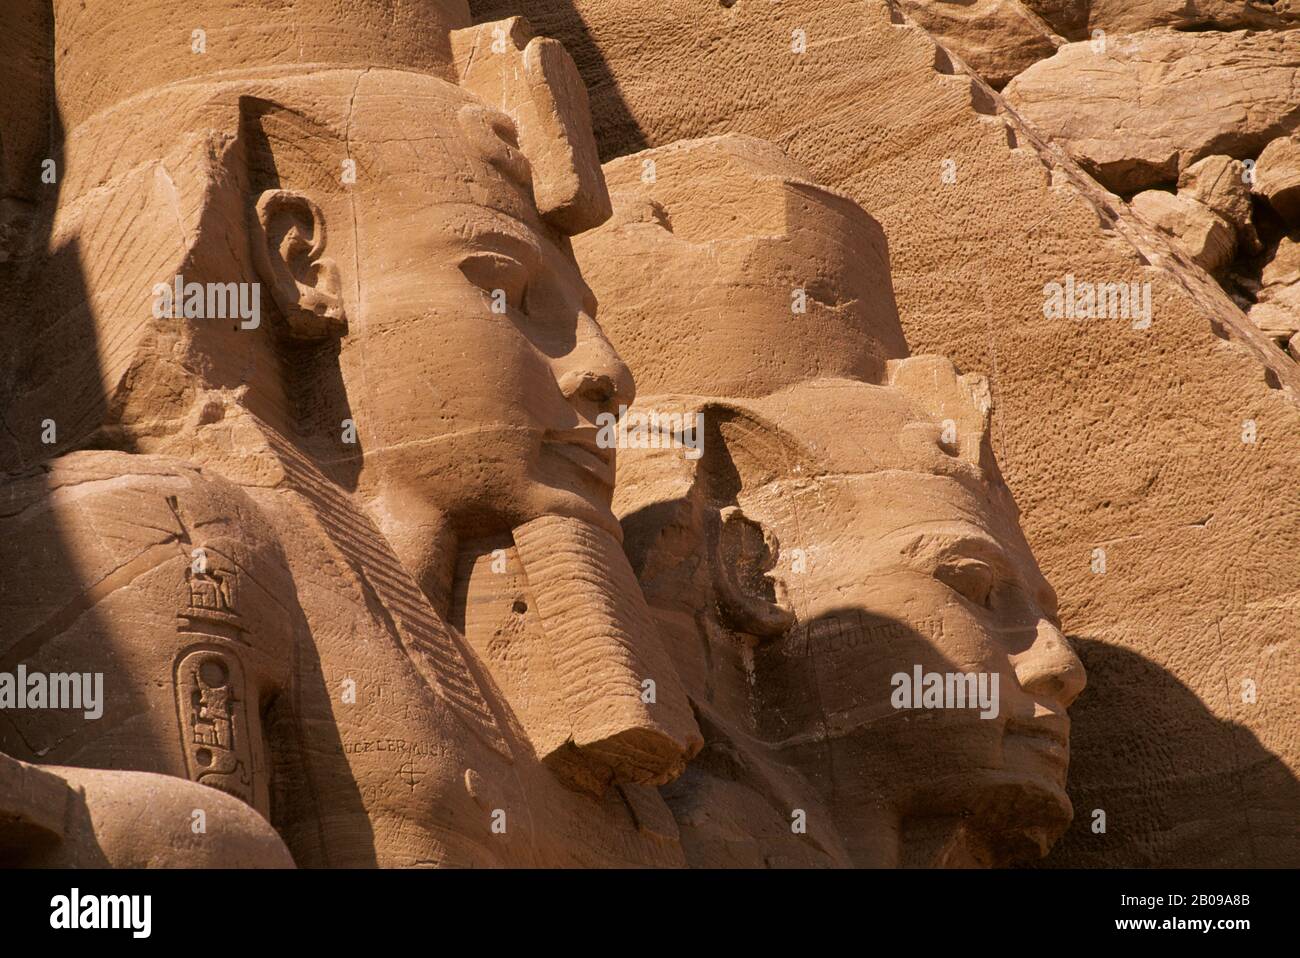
(579, 447)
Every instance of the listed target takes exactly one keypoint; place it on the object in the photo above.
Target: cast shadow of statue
(1165, 778)
(825, 771)
(36, 347)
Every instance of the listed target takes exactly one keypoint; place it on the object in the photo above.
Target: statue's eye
(503, 278)
(970, 578)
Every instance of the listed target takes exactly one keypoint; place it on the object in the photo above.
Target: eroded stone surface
(1069, 18)
(1129, 16)
(1222, 184)
(1205, 236)
(1277, 177)
(476, 648)
(996, 38)
(1139, 108)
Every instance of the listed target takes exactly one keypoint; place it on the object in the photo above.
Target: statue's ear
(744, 451)
(288, 248)
(742, 553)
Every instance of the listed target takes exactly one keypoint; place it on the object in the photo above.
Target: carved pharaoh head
(472, 366)
(838, 545)
(833, 558)
(377, 237)
(417, 324)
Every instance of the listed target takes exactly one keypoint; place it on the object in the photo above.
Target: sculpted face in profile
(866, 554)
(420, 622)
(472, 365)
(422, 385)
(475, 373)
(839, 542)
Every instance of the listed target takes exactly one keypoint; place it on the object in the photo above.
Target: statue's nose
(1049, 668)
(592, 376)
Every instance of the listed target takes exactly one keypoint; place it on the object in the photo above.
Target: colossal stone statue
(840, 535)
(348, 288)
(159, 597)
(308, 458)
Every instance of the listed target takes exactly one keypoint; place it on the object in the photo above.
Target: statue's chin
(1023, 814)
(571, 501)
(1007, 816)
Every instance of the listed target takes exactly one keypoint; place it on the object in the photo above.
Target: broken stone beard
(615, 709)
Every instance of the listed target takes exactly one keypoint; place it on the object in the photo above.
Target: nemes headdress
(111, 53)
(154, 98)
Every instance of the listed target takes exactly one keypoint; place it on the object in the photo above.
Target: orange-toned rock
(1277, 177)
(996, 38)
(1137, 109)
(1130, 16)
(1069, 18)
(1205, 236)
(1221, 184)
(313, 447)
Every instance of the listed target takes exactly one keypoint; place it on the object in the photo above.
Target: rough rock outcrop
(1069, 18)
(1221, 184)
(1202, 234)
(1137, 109)
(1130, 16)
(1277, 301)
(996, 38)
(1277, 177)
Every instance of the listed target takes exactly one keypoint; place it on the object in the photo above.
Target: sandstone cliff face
(939, 378)
(1112, 438)
(1069, 18)
(1130, 16)
(1140, 108)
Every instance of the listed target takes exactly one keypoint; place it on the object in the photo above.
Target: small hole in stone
(520, 607)
(203, 757)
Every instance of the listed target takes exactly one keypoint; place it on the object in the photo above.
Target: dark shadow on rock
(1180, 787)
